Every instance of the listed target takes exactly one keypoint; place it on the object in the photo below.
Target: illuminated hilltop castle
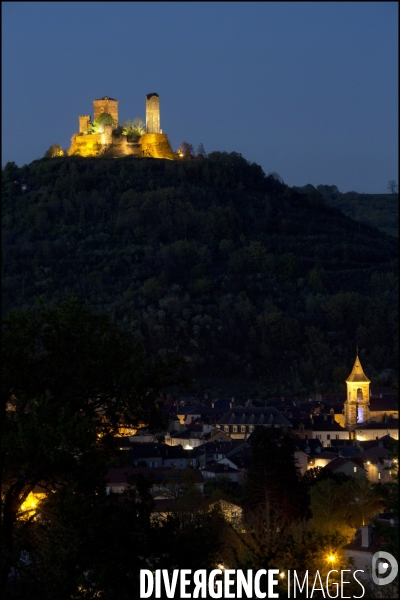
(153, 143)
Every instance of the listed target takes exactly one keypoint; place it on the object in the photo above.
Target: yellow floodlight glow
(331, 558)
(29, 505)
(282, 575)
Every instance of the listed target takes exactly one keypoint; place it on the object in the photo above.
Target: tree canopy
(134, 129)
(54, 151)
(70, 380)
(273, 483)
(101, 120)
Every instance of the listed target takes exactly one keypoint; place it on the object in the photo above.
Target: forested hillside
(379, 210)
(250, 280)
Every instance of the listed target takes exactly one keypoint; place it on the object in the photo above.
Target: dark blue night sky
(306, 89)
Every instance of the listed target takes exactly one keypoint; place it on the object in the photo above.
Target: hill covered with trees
(263, 288)
(379, 210)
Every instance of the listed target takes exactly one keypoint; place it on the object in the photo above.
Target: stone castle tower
(106, 105)
(153, 113)
(356, 407)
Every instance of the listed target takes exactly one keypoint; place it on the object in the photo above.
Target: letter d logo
(385, 560)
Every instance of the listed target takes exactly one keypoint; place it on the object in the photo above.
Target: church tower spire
(356, 407)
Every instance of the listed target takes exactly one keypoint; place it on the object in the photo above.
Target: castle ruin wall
(156, 145)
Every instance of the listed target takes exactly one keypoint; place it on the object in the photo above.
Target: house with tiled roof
(302, 427)
(319, 427)
(143, 435)
(189, 438)
(374, 431)
(289, 407)
(302, 458)
(336, 445)
(239, 422)
(381, 407)
(240, 462)
(216, 435)
(310, 454)
(192, 435)
(154, 454)
(175, 457)
(378, 463)
(326, 428)
(212, 452)
(360, 551)
(321, 459)
(349, 466)
(347, 451)
(223, 470)
(145, 454)
(241, 459)
(383, 442)
(375, 455)
(309, 446)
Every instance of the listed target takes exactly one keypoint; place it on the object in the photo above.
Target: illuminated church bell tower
(356, 407)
